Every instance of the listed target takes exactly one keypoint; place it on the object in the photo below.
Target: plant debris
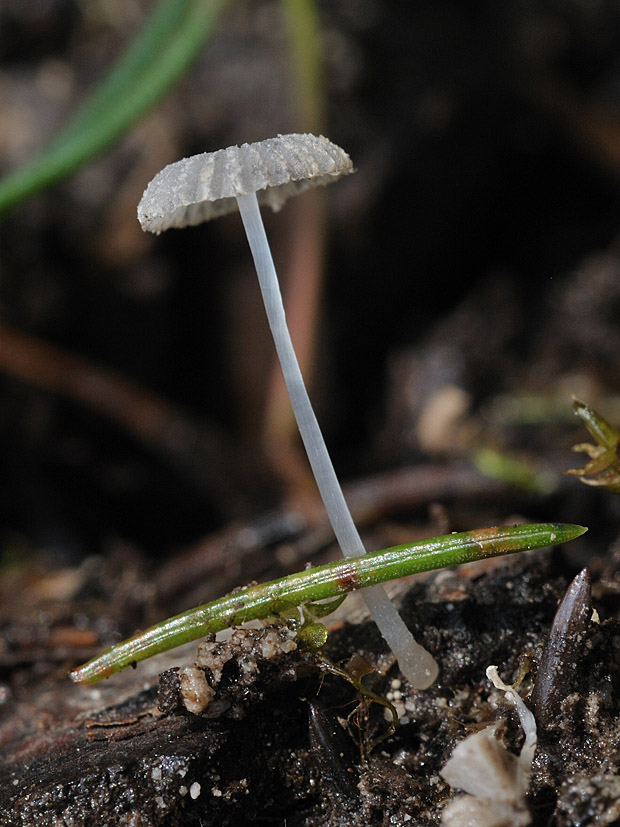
(167, 766)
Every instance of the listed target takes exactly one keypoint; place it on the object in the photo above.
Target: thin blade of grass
(159, 55)
(328, 581)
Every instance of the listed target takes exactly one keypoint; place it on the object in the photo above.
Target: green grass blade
(159, 55)
(330, 580)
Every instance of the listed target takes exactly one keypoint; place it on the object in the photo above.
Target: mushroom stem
(416, 664)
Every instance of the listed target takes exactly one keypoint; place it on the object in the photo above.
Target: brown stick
(193, 446)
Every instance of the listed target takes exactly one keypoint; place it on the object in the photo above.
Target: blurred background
(447, 299)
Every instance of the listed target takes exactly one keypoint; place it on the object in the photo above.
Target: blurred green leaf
(159, 55)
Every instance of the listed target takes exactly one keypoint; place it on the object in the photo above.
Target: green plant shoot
(329, 581)
(603, 470)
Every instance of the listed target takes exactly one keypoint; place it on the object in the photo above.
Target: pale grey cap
(205, 186)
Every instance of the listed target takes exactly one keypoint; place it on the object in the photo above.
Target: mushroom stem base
(418, 665)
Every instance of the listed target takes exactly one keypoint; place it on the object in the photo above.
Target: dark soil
(471, 288)
(257, 754)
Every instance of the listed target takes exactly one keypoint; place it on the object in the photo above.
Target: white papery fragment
(495, 780)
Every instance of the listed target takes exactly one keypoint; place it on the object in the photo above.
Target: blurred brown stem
(168, 430)
(302, 299)
(304, 281)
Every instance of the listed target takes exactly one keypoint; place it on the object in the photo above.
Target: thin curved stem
(418, 665)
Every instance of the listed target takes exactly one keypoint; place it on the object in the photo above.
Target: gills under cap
(206, 186)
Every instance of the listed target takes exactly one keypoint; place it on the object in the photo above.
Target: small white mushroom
(206, 186)
(528, 724)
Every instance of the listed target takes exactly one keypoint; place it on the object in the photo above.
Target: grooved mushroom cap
(205, 186)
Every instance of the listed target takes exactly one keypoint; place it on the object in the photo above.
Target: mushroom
(206, 186)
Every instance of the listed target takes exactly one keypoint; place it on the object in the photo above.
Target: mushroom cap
(206, 186)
